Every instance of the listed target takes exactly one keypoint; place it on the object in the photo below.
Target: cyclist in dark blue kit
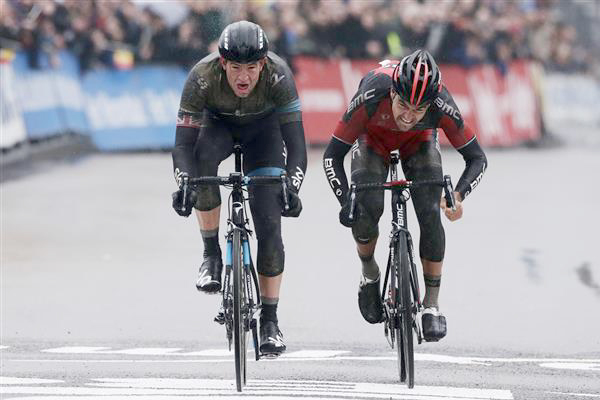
(400, 106)
(242, 93)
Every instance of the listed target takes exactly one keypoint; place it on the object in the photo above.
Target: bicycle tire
(405, 327)
(239, 331)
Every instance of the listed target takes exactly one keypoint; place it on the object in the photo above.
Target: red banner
(502, 109)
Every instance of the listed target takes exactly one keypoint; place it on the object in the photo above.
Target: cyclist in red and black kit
(400, 106)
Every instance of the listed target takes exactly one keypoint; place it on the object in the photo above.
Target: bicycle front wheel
(239, 331)
(404, 328)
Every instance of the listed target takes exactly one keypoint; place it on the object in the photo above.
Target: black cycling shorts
(263, 154)
(425, 164)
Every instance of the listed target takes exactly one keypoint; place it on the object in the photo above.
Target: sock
(211, 242)
(269, 308)
(432, 290)
(370, 269)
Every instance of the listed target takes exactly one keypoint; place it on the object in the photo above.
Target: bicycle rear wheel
(404, 329)
(239, 331)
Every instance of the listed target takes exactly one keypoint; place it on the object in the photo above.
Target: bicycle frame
(400, 231)
(402, 300)
(237, 221)
(241, 290)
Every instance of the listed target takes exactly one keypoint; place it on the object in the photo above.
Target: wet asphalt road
(93, 256)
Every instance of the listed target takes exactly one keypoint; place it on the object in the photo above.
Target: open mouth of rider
(243, 86)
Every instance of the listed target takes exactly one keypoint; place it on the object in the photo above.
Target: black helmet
(417, 79)
(243, 42)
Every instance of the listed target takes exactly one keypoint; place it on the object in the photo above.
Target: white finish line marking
(577, 366)
(127, 389)
(76, 350)
(4, 380)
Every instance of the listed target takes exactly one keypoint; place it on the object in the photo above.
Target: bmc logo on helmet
(446, 108)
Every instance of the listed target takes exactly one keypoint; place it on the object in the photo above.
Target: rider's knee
(365, 230)
(208, 198)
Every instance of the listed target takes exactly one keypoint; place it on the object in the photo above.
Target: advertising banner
(502, 109)
(50, 97)
(134, 109)
(570, 107)
(12, 126)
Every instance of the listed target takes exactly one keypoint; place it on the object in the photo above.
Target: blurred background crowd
(111, 33)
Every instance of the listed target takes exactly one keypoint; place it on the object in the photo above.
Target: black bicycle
(400, 296)
(240, 289)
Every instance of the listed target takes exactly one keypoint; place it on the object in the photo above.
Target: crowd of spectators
(468, 32)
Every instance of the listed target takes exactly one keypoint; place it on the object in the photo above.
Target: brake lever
(184, 188)
(449, 192)
(286, 205)
(352, 202)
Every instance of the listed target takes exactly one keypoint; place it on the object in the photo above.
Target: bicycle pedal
(220, 318)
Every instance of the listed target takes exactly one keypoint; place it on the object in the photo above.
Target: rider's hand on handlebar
(184, 200)
(452, 215)
(294, 202)
(345, 214)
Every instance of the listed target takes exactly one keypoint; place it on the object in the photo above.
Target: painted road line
(311, 354)
(315, 353)
(571, 365)
(7, 380)
(3, 347)
(76, 350)
(448, 359)
(210, 353)
(255, 389)
(148, 351)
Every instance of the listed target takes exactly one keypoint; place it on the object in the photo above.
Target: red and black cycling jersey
(369, 115)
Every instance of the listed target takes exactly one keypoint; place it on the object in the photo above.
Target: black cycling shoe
(369, 301)
(271, 339)
(434, 324)
(209, 276)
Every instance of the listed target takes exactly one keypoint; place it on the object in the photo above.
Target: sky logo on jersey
(297, 178)
(447, 108)
(361, 98)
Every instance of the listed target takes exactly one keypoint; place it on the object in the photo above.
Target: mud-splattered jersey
(207, 88)
(370, 113)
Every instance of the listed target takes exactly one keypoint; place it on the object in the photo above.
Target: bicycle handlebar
(232, 179)
(446, 183)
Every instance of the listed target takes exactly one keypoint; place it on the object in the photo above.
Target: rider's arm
(186, 134)
(464, 140)
(475, 165)
(188, 124)
(349, 128)
(293, 136)
(333, 164)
